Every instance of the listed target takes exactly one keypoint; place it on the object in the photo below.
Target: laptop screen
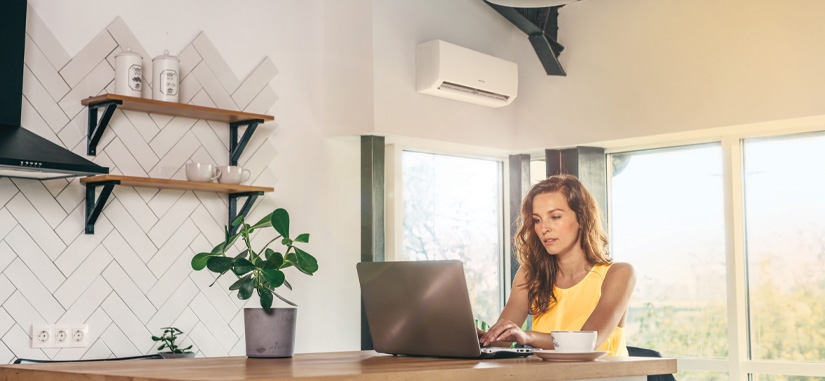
(418, 308)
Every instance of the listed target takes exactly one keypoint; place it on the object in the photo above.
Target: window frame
(738, 365)
(394, 198)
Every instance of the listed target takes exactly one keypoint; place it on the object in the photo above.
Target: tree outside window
(452, 209)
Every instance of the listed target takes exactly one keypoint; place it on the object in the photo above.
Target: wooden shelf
(108, 103)
(175, 109)
(95, 202)
(147, 182)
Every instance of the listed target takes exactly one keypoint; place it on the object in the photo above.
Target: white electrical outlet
(79, 336)
(42, 336)
(60, 335)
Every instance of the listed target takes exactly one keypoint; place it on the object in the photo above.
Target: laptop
(422, 308)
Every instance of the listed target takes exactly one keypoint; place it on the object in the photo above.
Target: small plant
(482, 325)
(258, 270)
(170, 334)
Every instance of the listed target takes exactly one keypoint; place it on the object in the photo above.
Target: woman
(567, 280)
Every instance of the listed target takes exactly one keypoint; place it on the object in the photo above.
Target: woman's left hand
(506, 331)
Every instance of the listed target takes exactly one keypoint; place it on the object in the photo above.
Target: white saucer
(552, 355)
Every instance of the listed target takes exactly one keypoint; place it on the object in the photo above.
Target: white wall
(348, 67)
(315, 178)
(635, 67)
(643, 67)
(399, 110)
(343, 69)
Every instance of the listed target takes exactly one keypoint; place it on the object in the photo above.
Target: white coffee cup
(232, 174)
(202, 172)
(574, 341)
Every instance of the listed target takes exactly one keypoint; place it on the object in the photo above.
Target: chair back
(645, 352)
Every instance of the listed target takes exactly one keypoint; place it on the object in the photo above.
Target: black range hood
(24, 154)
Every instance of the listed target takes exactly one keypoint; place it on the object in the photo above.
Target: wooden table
(363, 365)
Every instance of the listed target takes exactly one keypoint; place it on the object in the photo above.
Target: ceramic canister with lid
(166, 71)
(128, 73)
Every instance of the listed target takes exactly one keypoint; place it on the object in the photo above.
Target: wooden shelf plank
(176, 109)
(147, 182)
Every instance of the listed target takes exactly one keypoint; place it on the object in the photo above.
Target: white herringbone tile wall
(132, 276)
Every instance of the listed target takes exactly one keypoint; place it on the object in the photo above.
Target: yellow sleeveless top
(574, 305)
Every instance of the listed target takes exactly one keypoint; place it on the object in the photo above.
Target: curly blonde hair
(539, 267)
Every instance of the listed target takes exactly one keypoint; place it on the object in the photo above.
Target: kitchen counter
(363, 365)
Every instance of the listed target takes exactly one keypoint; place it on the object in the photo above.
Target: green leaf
(246, 290)
(273, 259)
(162, 346)
(217, 277)
(199, 261)
(239, 282)
(237, 220)
(266, 297)
(256, 259)
(302, 238)
(242, 266)
(219, 264)
(155, 338)
(266, 221)
(230, 240)
(280, 221)
(289, 260)
(274, 277)
(284, 300)
(219, 249)
(287, 285)
(306, 263)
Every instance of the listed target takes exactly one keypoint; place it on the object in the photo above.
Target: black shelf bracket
(233, 207)
(93, 208)
(97, 126)
(236, 147)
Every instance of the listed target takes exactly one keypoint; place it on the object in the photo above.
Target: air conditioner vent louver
(449, 86)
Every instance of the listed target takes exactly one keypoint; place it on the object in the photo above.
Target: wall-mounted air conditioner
(454, 72)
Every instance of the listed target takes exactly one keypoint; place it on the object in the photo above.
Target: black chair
(143, 357)
(644, 352)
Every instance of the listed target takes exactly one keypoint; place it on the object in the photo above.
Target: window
(452, 209)
(785, 230)
(538, 171)
(741, 218)
(667, 219)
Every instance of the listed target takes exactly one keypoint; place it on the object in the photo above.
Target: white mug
(202, 172)
(232, 174)
(574, 341)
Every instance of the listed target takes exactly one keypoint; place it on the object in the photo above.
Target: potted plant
(270, 332)
(170, 334)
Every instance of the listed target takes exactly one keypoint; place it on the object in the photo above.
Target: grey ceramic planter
(270, 332)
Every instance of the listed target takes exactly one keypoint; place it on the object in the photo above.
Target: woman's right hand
(504, 331)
